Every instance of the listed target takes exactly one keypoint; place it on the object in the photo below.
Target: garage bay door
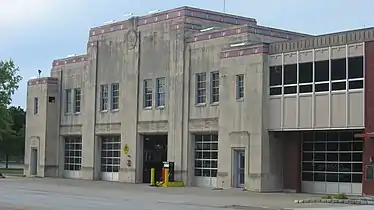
(206, 160)
(110, 157)
(73, 157)
(332, 163)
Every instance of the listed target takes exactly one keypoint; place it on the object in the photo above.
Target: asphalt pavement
(64, 194)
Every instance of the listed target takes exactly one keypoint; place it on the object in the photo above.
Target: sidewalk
(188, 196)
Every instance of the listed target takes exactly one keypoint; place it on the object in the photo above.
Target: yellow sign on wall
(126, 149)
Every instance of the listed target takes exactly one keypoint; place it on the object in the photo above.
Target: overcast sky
(34, 32)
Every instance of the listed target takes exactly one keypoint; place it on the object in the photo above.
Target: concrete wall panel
(338, 110)
(275, 111)
(321, 107)
(305, 56)
(356, 109)
(290, 114)
(305, 112)
(338, 52)
(321, 54)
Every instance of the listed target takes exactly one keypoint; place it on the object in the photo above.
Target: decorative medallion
(131, 39)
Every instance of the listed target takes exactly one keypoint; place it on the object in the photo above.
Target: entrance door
(34, 162)
(239, 168)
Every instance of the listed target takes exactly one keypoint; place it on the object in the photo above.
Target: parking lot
(62, 194)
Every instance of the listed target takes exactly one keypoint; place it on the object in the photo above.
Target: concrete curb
(338, 201)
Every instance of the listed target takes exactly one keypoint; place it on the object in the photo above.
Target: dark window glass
(321, 87)
(356, 84)
(357, 157)
(357, 178)
(305, 72)
(321, 71)
(308, 136)
(320, 136)
(338, 69)
(345, 167)
(319, 177)
(307, 156)
(358, 146)
(345, 146)
(332, 167)
(319, 156)
(344, 157)
(355, 67)
(338, 86)
(290, 74)
(307, 176)
(332, 156)
(305, 88)
(357, 167)
(333, 136)
(320, 147)
(319, 167)
(307, 166)
(345, 177)
(276, 91)
(332, 177)
(290, 90)
(345, 136)
(275, 75)
(308, 146)
(332, 146)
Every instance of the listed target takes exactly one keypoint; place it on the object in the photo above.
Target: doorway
(154, 154)
(34, 162)
(239, 165)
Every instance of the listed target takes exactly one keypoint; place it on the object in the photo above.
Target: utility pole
(224, 6)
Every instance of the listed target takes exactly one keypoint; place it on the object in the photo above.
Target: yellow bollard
(166, 181)
(153, 177)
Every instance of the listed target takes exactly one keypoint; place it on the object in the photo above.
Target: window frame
(77, 103)
(200, 98)
(114, 100)
(36, 105)
(147, 94)
(160, 92)
(214, 86)
(68, 101)
(239, 84)
(104, 97)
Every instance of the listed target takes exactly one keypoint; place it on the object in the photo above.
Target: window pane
(305, 72)
(321, 71)
(290, 74)
(275, 75)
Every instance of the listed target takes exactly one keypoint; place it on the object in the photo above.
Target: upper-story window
(103, 97)
(239, 86)
(214, 87)
(200, 88)
(160, 91)
(147, 93)
(36, 105)
(68, 102)
(77, 100)
(317, 76)
(115, 96)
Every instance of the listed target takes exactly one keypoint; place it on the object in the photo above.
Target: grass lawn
(11, 170)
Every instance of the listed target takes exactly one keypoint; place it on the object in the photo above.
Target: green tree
(9, 80)
(13, 142)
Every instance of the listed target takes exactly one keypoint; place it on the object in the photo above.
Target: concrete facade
(179, 47)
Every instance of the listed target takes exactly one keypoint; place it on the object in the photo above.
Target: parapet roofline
(69, 60)
(180, 9)
(42, 80)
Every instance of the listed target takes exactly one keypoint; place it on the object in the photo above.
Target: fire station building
(230, 102)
